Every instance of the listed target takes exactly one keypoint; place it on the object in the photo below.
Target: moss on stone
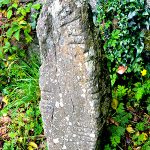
(147, 41)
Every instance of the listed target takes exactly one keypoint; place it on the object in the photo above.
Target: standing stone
(74, 81)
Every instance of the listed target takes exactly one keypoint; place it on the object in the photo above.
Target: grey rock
(75, 89)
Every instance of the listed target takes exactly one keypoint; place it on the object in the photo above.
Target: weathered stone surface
(75, 89)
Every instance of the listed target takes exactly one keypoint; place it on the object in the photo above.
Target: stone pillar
(74, 81)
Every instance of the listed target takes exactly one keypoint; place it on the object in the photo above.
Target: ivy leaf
(36, 6)
(145, 13)
(147, 25)
(17, 35)
(139, 49)
(33, 25)
(131, 15)
(9, 14)
(28, 8)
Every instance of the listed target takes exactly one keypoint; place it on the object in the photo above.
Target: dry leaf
(121, 69)
(137, 133)
(137, 148)
(30, 148)
(145, 136)
(5, 136)
(111, 120)
(130, 129)
(3, 130)
(114, 104)
(5, 100)
(32, 144)
(5, 120)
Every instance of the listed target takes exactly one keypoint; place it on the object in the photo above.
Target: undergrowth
(20, 118)
(124, 33)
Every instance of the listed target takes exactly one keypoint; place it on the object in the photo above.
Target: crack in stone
(73, 107)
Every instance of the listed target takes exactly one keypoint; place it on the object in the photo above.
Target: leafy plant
(19, 73)
(122, 28)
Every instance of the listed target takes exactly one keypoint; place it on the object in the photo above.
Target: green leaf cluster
(19, 75)
(122, 26)
(123, 33)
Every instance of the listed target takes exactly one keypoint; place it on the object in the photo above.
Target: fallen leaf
(137, 148)
(130, 129)
(114, 104)
(145, 136)
(111, 120)
(30, 148)
(3, 130)
(131, 109)
(20, 139)
(5, 120)
(5, 136)
(137, 133)
(42, 146)
(5, 100)
(32, 144)
(136, 118)
(121, 69)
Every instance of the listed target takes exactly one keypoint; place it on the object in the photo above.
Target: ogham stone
(74, 81)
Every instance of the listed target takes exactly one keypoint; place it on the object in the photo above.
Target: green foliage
(141, 89)
(122, 27)
(121, 92)
(107, 147)
(117, 132)
(123, 40)
(23, 95)
(146, 145)
(36, 6)
(23, 107)
(115, 140)
(140, 126)
(14, 26)
(19, 76)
